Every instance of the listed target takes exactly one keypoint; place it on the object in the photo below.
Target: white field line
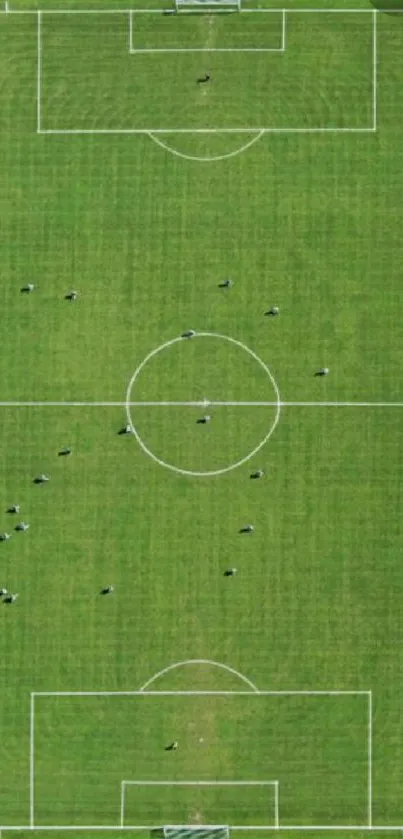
(161, 11)
(131, 50)
(370, 759)
(205, 49)
(32, 760)
(283, 32)
(79, 693)
(204, 403)
(374, 70)
(196, 661)
(154, 131)
(39, 74)
(251, 130)
(212, 783)
(347, 828)
(276, 805)
(200, 783)
(122, 803)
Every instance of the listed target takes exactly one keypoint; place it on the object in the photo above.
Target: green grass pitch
(309, 221)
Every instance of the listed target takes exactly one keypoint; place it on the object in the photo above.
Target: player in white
(22, 527)
(248, 528)
(15, 508)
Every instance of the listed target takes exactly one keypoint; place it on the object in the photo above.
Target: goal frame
(200, 830)
(207, 6)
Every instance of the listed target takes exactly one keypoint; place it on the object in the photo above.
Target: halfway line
(204, 403)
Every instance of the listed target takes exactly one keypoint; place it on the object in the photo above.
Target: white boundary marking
(212, 472)
(81, 693)
(197, 661)
(135, 50)
(131, 32)
(274, 784)
(347, 828)
(32, 760)
(210, 158)
(283, 32)
(252, 130)
(39, 74)
(370, 759)
(277, 805)
(202, 404)
(260, 130)
(374, 71)
(254, 692)
(58, 11)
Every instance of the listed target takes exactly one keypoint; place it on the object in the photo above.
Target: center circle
(204, 404)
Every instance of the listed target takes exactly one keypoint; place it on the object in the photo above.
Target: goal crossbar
(208, 6)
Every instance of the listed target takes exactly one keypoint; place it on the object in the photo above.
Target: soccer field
(127, 180)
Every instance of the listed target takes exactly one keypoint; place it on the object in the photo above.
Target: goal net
(207, 6)
(196, 832)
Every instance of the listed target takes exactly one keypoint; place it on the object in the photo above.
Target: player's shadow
(392, 7)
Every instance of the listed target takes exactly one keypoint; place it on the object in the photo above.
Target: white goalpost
(208, 6)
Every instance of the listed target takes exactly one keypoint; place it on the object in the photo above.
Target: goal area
(196, 832)
(207, 6)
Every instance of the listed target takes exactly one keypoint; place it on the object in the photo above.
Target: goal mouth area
(193, 831)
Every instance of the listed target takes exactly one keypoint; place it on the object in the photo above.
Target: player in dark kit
(204, 79)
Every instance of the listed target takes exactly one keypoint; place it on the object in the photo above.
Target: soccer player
(204, 79)
(71, 295)
(273, 311)
(11, 598)
(258, 474)
(324, 371)
(4, 537)
(172, 746)
(108, 590)
(28, 288)
(3, 592)
(248, 528)
(15, 508)
(41, 479)
(228, 283)
(203, 420)
(190, 333)
(230, 572)
(22, 527)
(65, 452)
